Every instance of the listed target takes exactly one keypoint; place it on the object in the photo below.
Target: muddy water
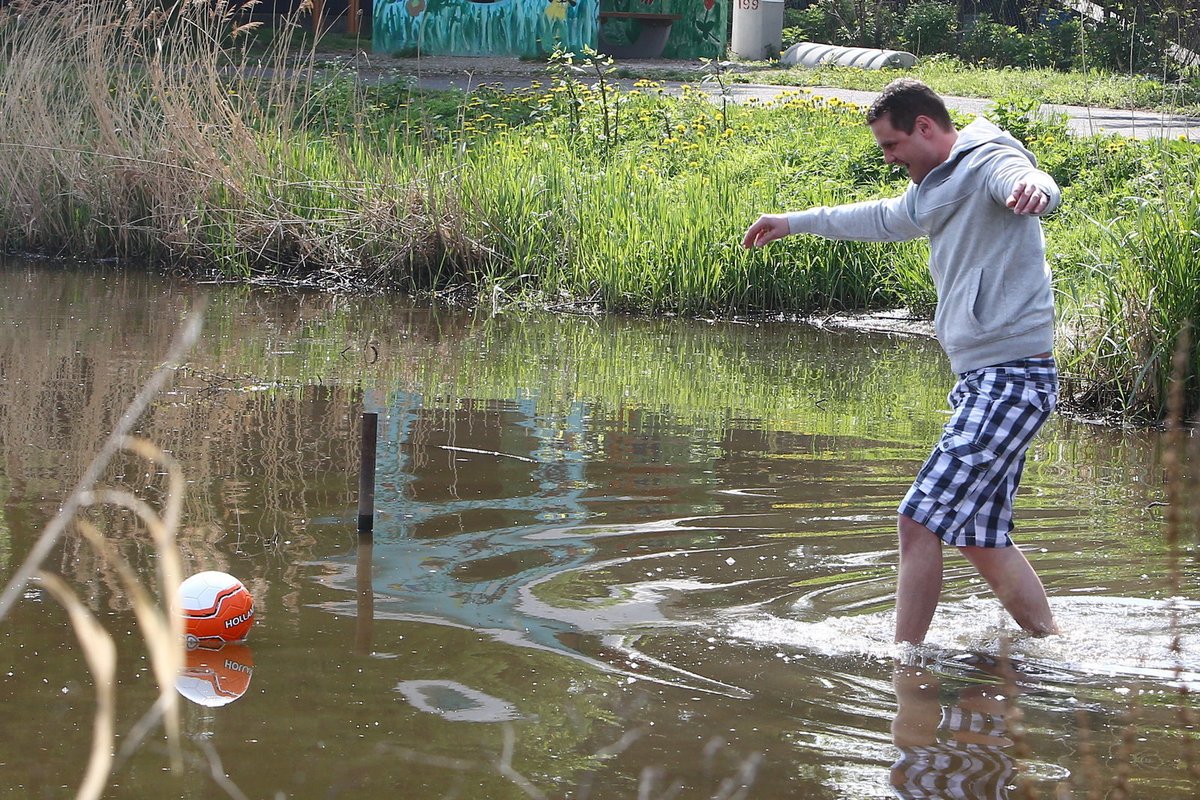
(613, 558)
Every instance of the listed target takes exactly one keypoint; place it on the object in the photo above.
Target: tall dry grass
(118, 130)
(135, 130)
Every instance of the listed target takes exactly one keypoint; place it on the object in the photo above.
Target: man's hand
(767, 228)
(1027, 198)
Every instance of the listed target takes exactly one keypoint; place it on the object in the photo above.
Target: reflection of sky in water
(455, 702)
(433, 576)
(486, 579)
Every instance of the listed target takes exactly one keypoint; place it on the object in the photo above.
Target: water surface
(613, 558)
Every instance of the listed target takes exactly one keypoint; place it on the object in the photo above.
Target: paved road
(1082, 120)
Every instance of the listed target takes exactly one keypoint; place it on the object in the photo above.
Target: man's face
(917, 151)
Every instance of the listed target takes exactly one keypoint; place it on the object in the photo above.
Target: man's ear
(923, 125)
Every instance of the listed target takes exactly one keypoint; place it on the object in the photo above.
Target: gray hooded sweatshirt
(988, 264)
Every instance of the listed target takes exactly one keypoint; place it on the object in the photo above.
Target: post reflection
(364, 624)
(952, 746)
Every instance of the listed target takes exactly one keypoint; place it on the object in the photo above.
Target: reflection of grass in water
(582, 589)
(160, 620)
(783, 379)
(315, 352)
(779, 377)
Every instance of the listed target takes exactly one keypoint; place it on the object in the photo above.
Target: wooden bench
(651, 39)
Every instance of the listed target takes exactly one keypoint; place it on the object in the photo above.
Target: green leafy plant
(930, 26)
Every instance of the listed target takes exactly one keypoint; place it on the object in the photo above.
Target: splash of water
(1103, 638)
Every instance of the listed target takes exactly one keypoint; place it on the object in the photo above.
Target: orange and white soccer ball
(216, 608)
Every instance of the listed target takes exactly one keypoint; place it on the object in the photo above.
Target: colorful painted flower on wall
(414, 7)
(557, 9)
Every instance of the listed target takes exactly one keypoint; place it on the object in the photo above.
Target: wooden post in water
(365, 620)
(366, 474)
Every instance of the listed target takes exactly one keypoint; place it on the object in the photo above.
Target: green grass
(573, 193)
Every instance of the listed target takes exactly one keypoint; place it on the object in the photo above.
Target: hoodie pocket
(977, 305)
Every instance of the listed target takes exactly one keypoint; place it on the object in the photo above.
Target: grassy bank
(151, 137)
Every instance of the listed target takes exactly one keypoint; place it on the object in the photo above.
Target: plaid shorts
(965, 490)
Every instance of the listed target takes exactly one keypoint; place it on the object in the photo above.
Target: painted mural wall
(701, 33)
(530, 28)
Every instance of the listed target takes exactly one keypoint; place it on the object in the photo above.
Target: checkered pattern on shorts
(964, 492)
(948, 767)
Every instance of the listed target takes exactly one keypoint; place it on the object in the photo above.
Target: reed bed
(158, 136)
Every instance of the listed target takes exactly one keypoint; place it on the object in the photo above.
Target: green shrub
(930, 26)
(1019, 115)
(842, 22)
(1115, 45)
(817, 23)
(992, 44)
(1055, 44)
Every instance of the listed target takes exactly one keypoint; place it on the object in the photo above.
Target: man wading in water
(977, 194)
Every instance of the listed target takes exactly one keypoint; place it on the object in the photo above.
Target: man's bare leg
(919, 584)
(1016, 585)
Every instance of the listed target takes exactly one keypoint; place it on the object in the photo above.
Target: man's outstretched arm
(885, 220)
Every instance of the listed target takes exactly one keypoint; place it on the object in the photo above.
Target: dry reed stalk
(162, 628)
(101, 655)
(1124, 757)
(122, 113)
(131, 130)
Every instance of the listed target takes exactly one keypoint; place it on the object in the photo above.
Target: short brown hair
(905, 99)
